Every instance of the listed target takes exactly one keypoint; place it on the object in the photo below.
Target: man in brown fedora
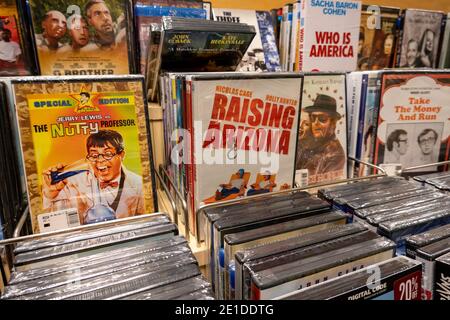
(322, 155)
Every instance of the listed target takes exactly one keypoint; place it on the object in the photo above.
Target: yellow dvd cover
(86, 150)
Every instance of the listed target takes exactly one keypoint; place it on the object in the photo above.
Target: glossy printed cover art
(81, 37)
(413, 125)
(152, 11)
(85, 147)
(322, 129)
(11, 46)
(376, 43)
(203, 51)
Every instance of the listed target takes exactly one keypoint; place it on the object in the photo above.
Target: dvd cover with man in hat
(322, 143)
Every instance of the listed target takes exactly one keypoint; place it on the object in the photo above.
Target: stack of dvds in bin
(293, 241)
(140, 260)
(392, 206)
(439, 180)
(432, 249)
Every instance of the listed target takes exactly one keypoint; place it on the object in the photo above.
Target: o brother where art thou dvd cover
(86, 150)
(82, 37)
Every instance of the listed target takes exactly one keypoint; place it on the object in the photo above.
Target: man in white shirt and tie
(9, 50)
(106, 184)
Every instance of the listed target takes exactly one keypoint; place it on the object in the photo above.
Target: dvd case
(108, 172)
(264, 251)
(285, 278)
(243, 131)
(317, 249)
(322, 134)
(262, 54)
(442, 275)
(83, 37)
(420, 37)
(399, 279)
(246, 239)
(428, 255)
(417, 241)
(377, 37)
(16, 57)
(413, 127)
(150, 12)
(329, 33)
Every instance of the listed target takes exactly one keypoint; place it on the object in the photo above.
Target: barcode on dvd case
(72, 219)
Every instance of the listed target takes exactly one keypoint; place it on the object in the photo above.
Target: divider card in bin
(86, 147)
(270, 234)
(280, 280)
(298, 255)
(264, 251)
(400, 279)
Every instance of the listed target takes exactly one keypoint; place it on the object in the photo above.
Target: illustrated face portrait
(79, 32)
(56, 87)
(388, 44)
(360, 46)
(105, 169)
(411, 52)
(55, 24)
(100, 18)
(305, 127)
(429, 41)
(427, 142)
(401, 146)
(6, 35)
(84, 98)
(322, 125)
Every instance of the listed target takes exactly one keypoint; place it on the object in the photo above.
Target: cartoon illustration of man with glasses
(106, 190)
(322, 154)
(397, 147)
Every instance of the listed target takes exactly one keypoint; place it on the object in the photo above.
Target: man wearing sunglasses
(106, 181)
(324, 156)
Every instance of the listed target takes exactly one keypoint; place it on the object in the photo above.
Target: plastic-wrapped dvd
(395, 275)
(442, 283)
(285, 278)
(91, 272)
(398, 204)
(70, 265)
(423, 239)
(269, 234)
(267, 250)
(172, 291)
(43, 257)
(253, 267)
